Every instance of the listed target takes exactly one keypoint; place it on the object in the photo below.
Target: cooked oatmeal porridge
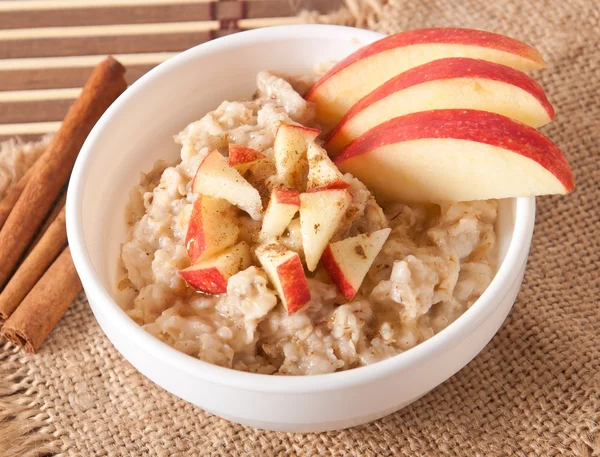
(435, 262)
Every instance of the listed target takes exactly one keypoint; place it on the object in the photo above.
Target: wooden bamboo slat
(117, 44)
(48, 47)
(56, 78)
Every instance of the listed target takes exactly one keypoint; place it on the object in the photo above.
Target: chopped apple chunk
(322, 172)
(211, 275)
(348, 261)
(216, 178)
(282, 207)
(284, 269)
(243, 157)
(289, 153)
(211, 229)
(320, 214)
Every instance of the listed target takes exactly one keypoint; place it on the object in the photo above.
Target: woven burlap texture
(533, 391)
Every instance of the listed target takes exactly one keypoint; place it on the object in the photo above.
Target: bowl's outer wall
(136, 132)
(314, 412)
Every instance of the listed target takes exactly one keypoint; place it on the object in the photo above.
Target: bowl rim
(468, 322)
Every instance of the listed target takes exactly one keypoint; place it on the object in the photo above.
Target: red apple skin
(336, 274)
(308, 132)
(470, 125)
(439, 36)
(329, 186)
(287, 196)
(194, 238)
(450, 68)
(294, 284)
(210, 281)
(242, 154)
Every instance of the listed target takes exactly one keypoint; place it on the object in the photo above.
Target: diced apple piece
(369, 67)
(320, 214)
(211, 275)
(211, 229)
(456, 155)
(284, 269)
(451, 83)
(282, 207)
(322, 172)
(348, 261)
(217, 179)
(289, 151)
(243, 157)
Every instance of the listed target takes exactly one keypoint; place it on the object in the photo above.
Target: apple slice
(322, 172)
(348, 261)
(320, 214)
(456, 82)
(211, 229)
(282, 207)
(369, 67)
(211, 275)
(217, 179)
(456, 155)
(243, 157)
(289, 151)
(285, 271)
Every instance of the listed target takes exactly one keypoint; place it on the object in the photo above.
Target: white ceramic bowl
(137, 130)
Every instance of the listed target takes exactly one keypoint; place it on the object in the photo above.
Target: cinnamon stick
(45, 304)
(56, 209)
(33, 267)
(42, 188)
(8, 202)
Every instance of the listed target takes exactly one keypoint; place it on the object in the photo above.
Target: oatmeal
(412, 270)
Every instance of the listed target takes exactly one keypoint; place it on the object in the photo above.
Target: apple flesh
(456, 155)
(282, 207)
(243, 157)
(284, 269)
(453, 83)
(211, 275)
(369, 67)
(289, 151)
(216, 178)
(320, 214)
(211, 229)
(322, 172)
(348, 261)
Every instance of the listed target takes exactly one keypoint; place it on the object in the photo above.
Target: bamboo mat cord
(533, 391)
(228, 13)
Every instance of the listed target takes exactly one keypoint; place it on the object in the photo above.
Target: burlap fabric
(534, 390)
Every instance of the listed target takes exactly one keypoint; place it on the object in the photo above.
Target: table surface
(48, 47)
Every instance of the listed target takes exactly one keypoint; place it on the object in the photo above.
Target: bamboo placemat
(48, 47)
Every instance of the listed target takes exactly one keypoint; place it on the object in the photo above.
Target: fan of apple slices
(304, 181)
(441, 115)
